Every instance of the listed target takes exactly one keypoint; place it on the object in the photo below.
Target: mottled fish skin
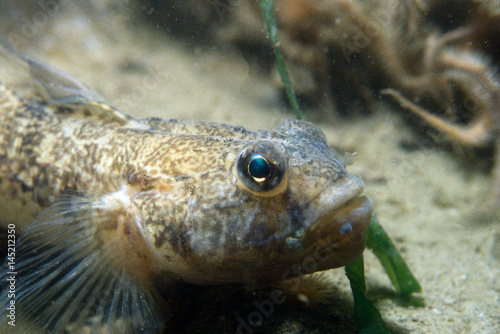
(201, 202)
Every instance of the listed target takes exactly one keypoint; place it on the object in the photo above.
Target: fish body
(105, 204)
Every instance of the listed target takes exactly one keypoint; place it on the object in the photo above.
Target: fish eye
(261, 167)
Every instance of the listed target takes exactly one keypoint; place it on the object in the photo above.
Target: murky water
(210, 61)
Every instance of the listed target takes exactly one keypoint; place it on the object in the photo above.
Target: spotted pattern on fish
(106, 204)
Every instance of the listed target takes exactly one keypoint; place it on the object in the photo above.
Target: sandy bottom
(430, 202)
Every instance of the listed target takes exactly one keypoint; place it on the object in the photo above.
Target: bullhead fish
(105, 205)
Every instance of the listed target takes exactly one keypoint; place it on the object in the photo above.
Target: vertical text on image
(11, 274)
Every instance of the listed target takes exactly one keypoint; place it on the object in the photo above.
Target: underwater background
(435, 194)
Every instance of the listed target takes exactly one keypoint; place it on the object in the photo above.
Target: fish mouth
(336, 237)
(339, 239)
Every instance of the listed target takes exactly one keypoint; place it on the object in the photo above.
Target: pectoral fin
(81, 267)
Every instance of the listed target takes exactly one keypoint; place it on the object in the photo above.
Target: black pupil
(259, 168)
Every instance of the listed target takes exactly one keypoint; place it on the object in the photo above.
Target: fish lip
(340, 203)
(358, 217)
(339, 192)
(336, 195)
(332, 248)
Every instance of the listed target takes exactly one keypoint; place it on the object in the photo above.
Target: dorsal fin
(34, 80)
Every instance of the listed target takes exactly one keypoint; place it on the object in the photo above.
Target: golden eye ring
(261, 168)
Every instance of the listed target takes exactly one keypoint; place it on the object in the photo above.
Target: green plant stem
(381, 245)
(267, 7)
(368, 318)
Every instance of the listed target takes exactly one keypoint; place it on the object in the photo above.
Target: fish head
(283, 206)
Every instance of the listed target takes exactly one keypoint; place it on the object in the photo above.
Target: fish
(106, 207)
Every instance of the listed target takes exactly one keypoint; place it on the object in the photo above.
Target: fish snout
(340, 218)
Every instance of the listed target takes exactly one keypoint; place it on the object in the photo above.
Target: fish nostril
(292, 243)
(346, 228)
